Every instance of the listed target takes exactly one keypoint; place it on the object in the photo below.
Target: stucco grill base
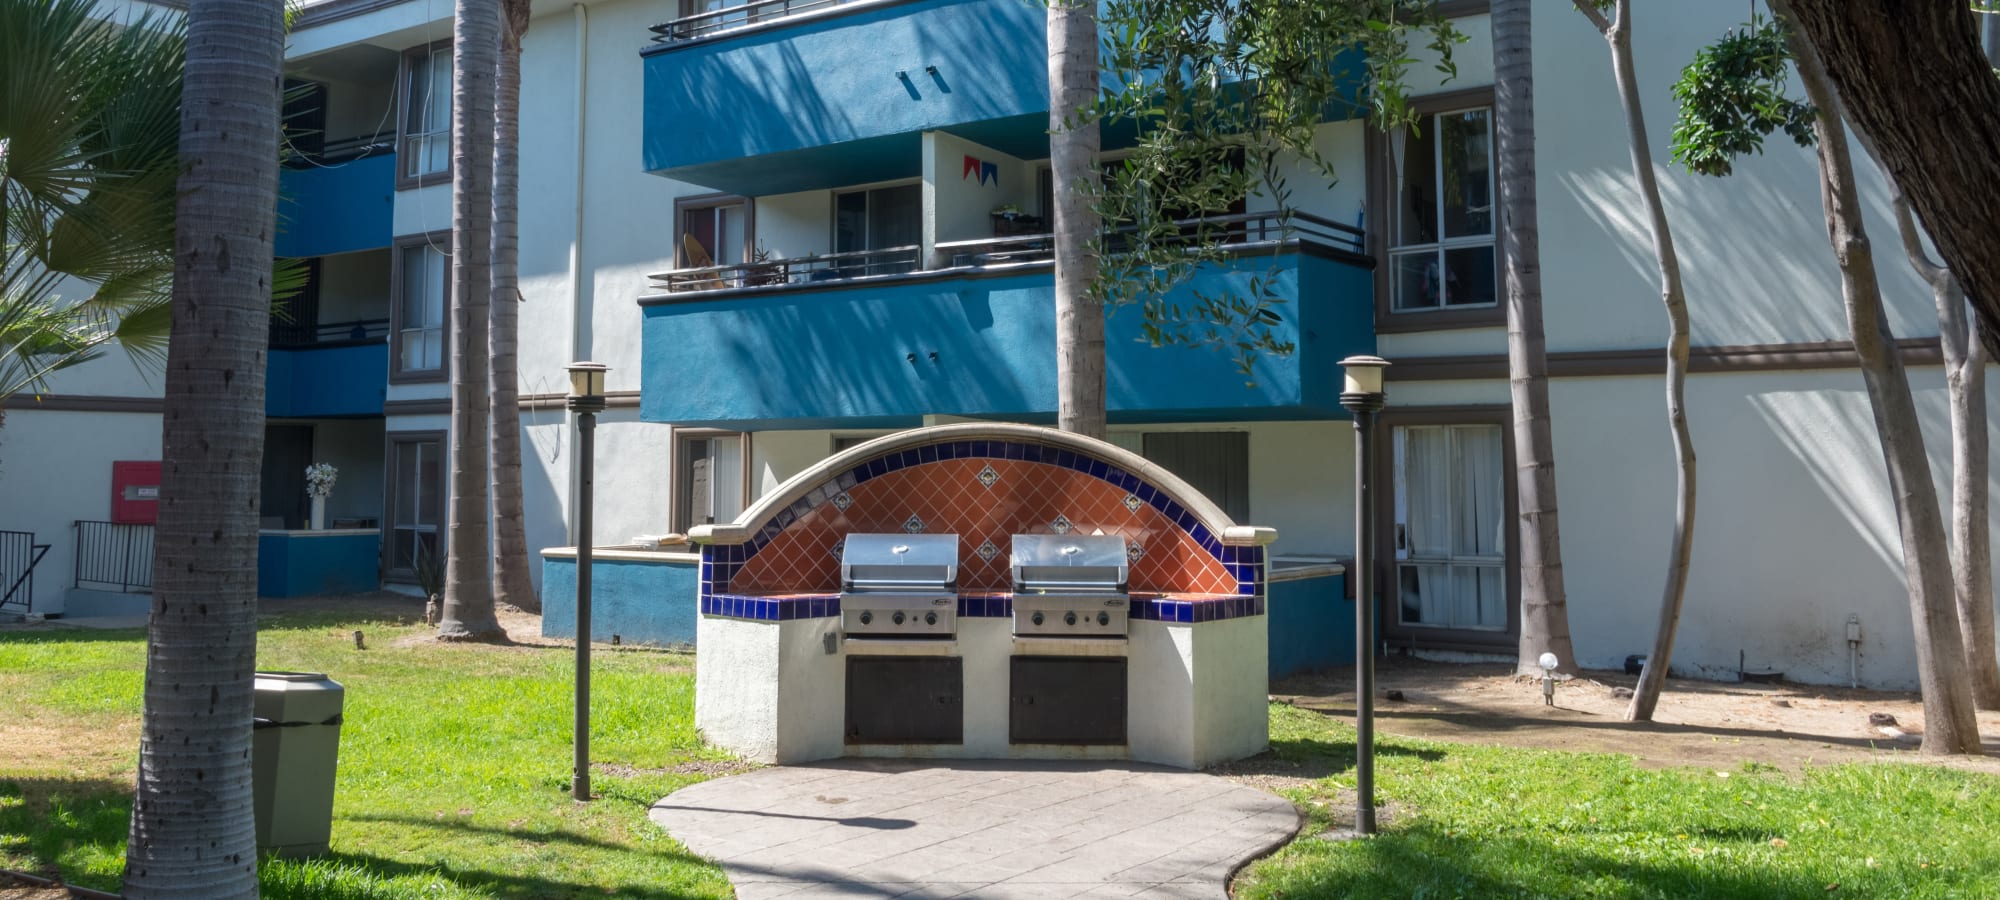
(992, 830)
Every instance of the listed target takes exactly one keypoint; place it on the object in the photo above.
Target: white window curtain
(1451, 527)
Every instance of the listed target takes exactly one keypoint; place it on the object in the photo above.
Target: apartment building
(789, 226)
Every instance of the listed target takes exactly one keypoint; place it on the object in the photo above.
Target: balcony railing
(703, 24)
(1245, 229)
(18, 555)
(796, 270)
(289, 335)
(114, 557)
(336, 152)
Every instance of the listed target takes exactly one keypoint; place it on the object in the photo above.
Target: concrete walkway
(976, 829)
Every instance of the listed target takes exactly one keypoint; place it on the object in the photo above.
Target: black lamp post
(1362, 396)
(586, 399)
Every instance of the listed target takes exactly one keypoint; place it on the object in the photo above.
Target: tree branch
(1596, 18)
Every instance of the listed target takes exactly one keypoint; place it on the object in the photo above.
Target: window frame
(404, 67)
(398, 374)
(389, 496)
(677, 518)
(1381, 240)
(694, 202)
(1384, 564)
(833, 211)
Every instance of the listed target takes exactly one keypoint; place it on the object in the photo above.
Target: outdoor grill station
(984, 591)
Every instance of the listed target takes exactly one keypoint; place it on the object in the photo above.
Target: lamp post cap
(582, 366)
(1365, 360)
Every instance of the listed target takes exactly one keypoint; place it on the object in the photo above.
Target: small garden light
(1361, 395)
(1549, 662)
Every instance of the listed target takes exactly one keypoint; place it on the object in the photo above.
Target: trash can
(292, 756)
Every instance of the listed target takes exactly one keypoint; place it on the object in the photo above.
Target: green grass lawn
(454, 773)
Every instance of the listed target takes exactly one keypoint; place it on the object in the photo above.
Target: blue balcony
(775, 349)
(767, 100)
(338, 377)
(336, 205)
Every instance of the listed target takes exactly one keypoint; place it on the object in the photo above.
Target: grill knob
(930, 618)
(1104, 618)
(867, 617)
(1037, 618)
(897, 618)
(1069, 618)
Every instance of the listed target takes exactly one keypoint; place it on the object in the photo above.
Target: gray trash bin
(295, 745)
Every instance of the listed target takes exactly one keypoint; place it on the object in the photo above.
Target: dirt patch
(1699, 724)
(711, 768)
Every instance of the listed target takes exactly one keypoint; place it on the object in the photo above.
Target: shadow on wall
(545, 437)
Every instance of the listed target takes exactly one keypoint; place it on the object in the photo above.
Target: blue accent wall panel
(895, 350)
(641, 602)
(301, 565)
(860, 82)
(339, 208)
(335, 381)
(1312, 625)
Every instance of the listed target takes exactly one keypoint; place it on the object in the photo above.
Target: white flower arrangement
(320, 478)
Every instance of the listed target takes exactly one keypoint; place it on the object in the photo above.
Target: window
(1215, 463)
(422, 287)
(415, 502)
(879, 219)
(712, 230)
(709, 483)
(1441, 247)
(1450, 527)
(425, 139)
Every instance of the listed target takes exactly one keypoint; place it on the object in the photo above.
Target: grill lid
(892, 562)
(1069, 562)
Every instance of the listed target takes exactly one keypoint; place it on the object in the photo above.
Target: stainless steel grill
(1070, 585)
(899, 585)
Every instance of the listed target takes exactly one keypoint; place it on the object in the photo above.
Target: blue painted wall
(1312, 625)
(830, 84)
(300, 566)
(842, 355)
(641, 602)
(337, 209)
(327, 382)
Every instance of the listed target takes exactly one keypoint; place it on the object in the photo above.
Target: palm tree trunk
(1950, 725)
(468, 582)
(1073, 146)
(511, 580)
(193, 830)
(1544, 607)
(1653, 678)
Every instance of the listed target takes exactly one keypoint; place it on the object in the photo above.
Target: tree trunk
(193, 830)
(1073, 146)
(468, 582)
(1912, 75)
(1544, 609)
(1950, 725)
(1653, 678)
(511, 580)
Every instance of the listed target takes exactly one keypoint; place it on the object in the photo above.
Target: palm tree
(88, 136)
(511, 580)
(193, 829)
(1073, 146)
(1544, 605)
(468, 585)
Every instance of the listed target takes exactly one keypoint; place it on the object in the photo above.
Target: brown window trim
(397, 374)
(680, 435)
(389, 442)
(683, 205)
(408, 182)
(1462, 639)
(1452, 9)
(1388, 321)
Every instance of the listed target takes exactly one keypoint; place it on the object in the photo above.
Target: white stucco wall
(55, 468)
(959, 204)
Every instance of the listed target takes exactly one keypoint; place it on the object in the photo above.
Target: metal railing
(335, 152)
(795, 270)
(286, 334)
(1237, 229)
(18, 556)
(703, 24)
(112, 556)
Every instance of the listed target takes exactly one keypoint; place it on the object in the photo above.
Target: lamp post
(586, 399)
(1362, 396)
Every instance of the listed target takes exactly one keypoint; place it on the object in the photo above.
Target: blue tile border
(1193, 612)
(769, 609)
(720, 563)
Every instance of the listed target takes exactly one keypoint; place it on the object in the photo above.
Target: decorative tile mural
(985, 492)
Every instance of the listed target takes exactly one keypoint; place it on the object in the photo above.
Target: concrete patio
(985, 829)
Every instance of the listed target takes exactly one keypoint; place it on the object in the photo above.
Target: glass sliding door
(1450, 527)
(416, 502)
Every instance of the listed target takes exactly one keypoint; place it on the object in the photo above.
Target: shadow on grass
(51, 820)
(1425, 860)
(337, 876)
(1311, 757)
